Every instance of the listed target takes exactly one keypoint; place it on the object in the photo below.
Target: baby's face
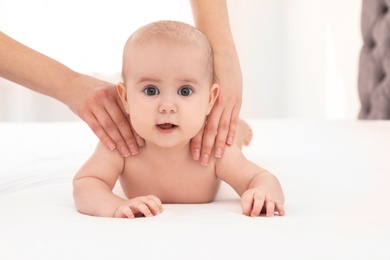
(168, 91)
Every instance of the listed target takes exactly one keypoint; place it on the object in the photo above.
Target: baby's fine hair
(176, 31)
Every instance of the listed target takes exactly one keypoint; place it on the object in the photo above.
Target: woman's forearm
(34, 70)
(212, 18)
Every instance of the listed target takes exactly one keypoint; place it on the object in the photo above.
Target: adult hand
(221, 125)
(93, 100)
(98, 104)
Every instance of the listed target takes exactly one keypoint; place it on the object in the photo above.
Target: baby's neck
(167, 154)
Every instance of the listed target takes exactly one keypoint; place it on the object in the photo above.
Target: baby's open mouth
(166, 126)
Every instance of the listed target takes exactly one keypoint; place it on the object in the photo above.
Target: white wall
(321, 51)
(88, 36)
(299, 57)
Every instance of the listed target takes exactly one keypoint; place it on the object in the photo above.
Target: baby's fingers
(280, 209)
(140, 207)
(124, 212)
(254, 203)
(270, 208)
(247, 202)
(147, 206)
(153, 203)
(258, 204)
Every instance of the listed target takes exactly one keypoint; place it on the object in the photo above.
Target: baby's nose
(168, 107)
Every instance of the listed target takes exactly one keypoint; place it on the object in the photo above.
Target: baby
(168, 90)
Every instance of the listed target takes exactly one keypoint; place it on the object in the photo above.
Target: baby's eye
(185, 91)
(151, 91)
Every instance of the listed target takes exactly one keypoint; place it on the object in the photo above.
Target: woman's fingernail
(196, 154)
(111, 145)
(205, 160)
(125, 151)
(133, 149)
(230, 140)
(218, 152)
(140, 141)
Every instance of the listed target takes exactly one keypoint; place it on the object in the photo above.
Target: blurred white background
(299, 57)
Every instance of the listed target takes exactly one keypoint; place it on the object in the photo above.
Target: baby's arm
(93, 184)
(260, 191)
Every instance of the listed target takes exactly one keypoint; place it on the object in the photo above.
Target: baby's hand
(147, 206)
(254, 202)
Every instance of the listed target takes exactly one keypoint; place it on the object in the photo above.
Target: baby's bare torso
(172, 180)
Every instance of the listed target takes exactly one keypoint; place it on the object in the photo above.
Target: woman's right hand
(98, 104)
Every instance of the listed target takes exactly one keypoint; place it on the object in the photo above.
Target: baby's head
(174, 32)
(168, 80)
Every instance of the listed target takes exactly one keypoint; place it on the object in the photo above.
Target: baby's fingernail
(205, 160)
(111, 145)
(125, 151)
(196, 154)
(230, 140)
(218, 152)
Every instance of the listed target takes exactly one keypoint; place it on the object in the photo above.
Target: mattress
(335, 175)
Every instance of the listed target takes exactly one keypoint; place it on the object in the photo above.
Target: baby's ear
(214, 92)
(121, 89)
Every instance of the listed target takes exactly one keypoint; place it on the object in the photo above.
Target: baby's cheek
(196, 123)
(138, 122)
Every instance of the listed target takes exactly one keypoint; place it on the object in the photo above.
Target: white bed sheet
(335, 174)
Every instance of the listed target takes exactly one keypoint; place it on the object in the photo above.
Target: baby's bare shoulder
(233, 162)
